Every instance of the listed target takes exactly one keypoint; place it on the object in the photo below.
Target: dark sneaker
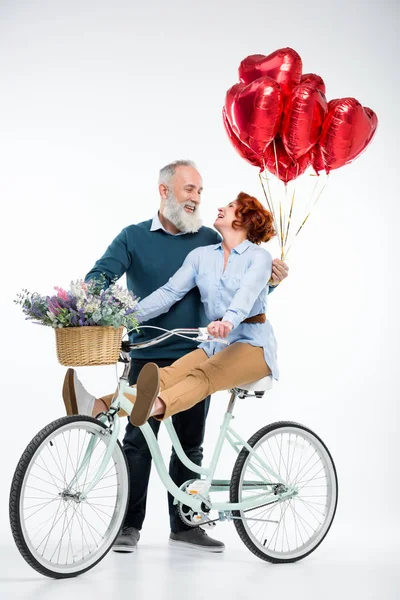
(127, 540)
(196, 539)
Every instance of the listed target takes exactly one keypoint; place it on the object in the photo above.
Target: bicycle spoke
(61, 526)
(43, 506)
(53, 477)
(291, 524)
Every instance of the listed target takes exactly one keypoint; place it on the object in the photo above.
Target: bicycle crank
(192, 517)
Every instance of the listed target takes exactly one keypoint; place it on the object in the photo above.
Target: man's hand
(280, 271)
(219, 329)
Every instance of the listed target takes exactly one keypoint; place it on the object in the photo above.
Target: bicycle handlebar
(200, 335)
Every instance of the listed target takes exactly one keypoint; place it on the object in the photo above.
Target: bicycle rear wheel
(289, 529)
(58, 534)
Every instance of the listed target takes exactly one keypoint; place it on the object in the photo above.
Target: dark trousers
(190, 428)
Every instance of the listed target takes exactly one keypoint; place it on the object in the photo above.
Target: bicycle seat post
(232, 402)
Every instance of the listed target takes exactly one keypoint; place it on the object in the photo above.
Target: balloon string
(274, 211)
(270, 204)
(285, 223)
(270, 208)
(309, 204)
(280, 203)
(304, 221)
(291, 208)
(290, 216)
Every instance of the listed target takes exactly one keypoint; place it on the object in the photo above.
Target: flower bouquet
(88, 319)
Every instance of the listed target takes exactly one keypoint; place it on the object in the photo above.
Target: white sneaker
(76, 399)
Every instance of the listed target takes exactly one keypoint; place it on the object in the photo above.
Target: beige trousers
(193, 377)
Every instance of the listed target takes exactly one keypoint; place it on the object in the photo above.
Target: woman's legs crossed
(169, 376)
(237, 364)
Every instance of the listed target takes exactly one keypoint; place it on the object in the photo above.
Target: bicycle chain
(244, 511)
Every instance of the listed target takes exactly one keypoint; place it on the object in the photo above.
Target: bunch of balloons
(279, 119)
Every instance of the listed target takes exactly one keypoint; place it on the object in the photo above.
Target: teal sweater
(149, 259)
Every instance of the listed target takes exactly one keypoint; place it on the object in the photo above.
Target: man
(150, 253)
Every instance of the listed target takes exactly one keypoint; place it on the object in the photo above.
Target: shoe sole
(180, 544)
(124, 549)
(147, 388)
(68, 393)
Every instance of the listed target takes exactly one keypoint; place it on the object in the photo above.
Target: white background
(95, 97)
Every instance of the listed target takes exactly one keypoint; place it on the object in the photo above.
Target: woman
(232, 278)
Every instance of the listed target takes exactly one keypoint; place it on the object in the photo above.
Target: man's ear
(163, 191)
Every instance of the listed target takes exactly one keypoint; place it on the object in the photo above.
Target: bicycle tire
(235, 491)
(17, 487)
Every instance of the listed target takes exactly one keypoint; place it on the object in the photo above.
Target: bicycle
(78, 467)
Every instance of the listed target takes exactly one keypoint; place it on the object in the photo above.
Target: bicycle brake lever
(205, 337)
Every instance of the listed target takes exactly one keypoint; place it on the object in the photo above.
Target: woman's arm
(253, 282)
(161, 300)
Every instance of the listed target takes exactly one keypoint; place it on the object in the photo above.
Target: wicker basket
(88, 346)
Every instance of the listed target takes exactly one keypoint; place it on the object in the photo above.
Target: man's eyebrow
(192, 185)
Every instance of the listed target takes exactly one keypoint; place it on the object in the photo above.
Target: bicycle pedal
(210, 525)
(196, 488)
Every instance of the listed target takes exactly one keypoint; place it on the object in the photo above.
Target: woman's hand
(280, 271)
(220, 329)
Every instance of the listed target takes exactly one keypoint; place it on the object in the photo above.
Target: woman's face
(226, 216)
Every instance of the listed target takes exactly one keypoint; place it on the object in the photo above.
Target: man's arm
(114, 262)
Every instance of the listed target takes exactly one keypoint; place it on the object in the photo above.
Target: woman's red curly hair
(255, 218)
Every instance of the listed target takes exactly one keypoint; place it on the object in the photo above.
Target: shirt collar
(239, 249)
(156, 225)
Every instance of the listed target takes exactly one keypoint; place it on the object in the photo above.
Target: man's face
(180, 200)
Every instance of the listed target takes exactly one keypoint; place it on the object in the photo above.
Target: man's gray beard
(175, 212)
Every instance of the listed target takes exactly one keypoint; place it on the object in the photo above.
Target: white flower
(92, 305)
(124, 296)
(78, 291)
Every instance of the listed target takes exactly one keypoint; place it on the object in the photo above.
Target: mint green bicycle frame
(268, 493)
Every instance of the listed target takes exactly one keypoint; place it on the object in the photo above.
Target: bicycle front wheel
(286, 530)
(58, 534)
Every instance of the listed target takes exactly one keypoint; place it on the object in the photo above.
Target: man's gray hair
(169, 170)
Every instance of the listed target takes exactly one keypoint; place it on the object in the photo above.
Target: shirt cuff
(232, 317)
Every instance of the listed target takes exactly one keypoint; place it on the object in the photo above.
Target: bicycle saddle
(258, 387)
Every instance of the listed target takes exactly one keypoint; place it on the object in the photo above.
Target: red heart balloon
(315, 80)
(284, 66)
(254, 112)
(278, 162)
(241, 148)
(317, 160)
(230, 98)
(302, 120)
(347, 130)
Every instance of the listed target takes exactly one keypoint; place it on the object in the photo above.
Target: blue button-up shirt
(233, 294)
